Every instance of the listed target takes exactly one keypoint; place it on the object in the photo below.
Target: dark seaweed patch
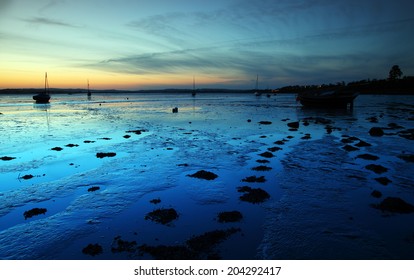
(383, 180)
(162, 216)
(57, 149)
(368, 157)
(92, 249)
(407, 158)
(102, 155)
(379, 169)
(261, 168)
(209, 239)
(266, 155)
(72, 145)
(93, 189)
(34, 212)
(197, 247)
(163, 252)
(395, 205)
(6, 158)
(253, 195)
(229, 216)
(254, 179)
(27, 177)
(202, 174)
(155, 201)
(119, 246)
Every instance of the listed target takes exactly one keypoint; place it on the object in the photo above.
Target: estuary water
(322, 200)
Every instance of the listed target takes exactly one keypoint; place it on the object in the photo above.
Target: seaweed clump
(254, 179)
(229, 217)
(395, 205)
(92, 249)
(119, 246)
(202, 174)
(198, 247)
(7, 158)
(162, 216)
(102, 155)
(253, 195)
(93, 189)
(34, 212)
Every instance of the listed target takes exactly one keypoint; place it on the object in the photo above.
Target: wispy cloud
(49, 21)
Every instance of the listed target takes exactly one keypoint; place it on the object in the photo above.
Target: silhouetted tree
(395, 73)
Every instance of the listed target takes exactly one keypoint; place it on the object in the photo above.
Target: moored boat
(43, 97)
(334, 98)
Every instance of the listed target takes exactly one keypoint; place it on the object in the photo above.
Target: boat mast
(46, 84)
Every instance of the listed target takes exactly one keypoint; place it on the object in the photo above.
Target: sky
(150, 44)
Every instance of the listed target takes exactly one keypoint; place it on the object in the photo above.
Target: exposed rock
(34, 212)
(162, 216)
(102, 155)
(229, 217)
(376, 131)
(92, 249)
(202, 174)
(57, 149)
(253, 195)
(126, 136)
(395, 205)
(368, 157)
(254, 179)
(379, 169)
(6, 158)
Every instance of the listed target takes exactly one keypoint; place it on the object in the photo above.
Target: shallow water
(215, 132)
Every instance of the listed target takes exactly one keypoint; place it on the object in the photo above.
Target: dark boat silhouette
(328, 98)
(43, 97)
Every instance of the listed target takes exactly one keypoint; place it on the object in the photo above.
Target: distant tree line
(393, 84)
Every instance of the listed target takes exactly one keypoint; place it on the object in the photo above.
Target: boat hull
(327, 99)
(41, 98)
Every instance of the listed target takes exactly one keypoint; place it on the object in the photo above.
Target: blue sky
(129, 44)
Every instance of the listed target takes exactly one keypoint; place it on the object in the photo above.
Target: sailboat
(193, 92)
(89, 92)
(43, 97)
(257, 93)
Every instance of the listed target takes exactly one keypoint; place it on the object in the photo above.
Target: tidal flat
(119, 176)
